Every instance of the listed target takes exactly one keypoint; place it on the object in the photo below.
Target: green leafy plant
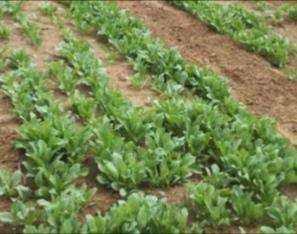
(245, 208)
(11, 8)
(54, 149)
(61, 212)
(283, 212)
(4, 32)
(282, 229)
(48, 9)
(242, 160)
(140, 214)
(19, 58)
(11, 185)
(285, 11)
(54, 146)
(210, 204)
(84, 107)
(30, 29)
(119, 163)
(20, 213)
(64, 75)
(243, 26)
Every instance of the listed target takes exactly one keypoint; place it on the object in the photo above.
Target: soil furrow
(119, 71)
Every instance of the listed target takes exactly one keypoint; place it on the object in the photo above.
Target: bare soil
(9, 158)
(278, 3)
(288, 29)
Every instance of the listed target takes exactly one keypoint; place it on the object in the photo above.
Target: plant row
(183, 118)
(124, 32)
(178, 120)
(29, 28)
(245, 27)
(4, 31)
(250, 211)
(55, 147)
(284, 12)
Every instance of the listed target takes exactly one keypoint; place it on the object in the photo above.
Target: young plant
(243, 26)
(64, 74)
(11, 185)
(284, 212)
(209, 204)
(282, 229)
(246, 210)
(4, 32)
(30, 29)
(20, 214)
(140, 214)
(48, 9)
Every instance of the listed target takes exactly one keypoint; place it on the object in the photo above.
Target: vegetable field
(148, 117)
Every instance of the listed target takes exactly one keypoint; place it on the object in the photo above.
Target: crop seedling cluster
(29, 28)
(246, 28)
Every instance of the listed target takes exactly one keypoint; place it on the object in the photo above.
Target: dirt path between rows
(120, 72)
(261, 87)
(289, 29)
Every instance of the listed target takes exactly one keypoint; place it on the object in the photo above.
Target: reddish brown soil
(278, 3)
(232, 230)
(288, 29)
(291, 191)
(173, 194)
(120, 72)
(9, 158)
(6, 228)
(123, 83)
(261, 87)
